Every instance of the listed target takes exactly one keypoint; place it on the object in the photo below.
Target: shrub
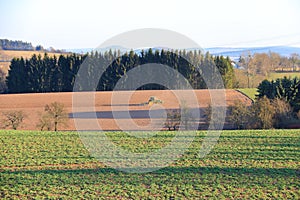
(173, 120)
(44, 122)
(214, 119)
(207, 113)
(283, 113)
(264, 112)
(240, 115)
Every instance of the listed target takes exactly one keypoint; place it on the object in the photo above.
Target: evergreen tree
(51, 74)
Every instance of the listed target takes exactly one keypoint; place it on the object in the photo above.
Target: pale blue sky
(86, 23)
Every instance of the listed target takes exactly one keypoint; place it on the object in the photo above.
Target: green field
(276, 75)
(244, 164)
(250, 92)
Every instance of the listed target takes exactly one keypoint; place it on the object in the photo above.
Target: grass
(244, 164)
(250, 92)
(276, 75)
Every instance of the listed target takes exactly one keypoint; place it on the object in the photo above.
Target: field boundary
(252, 100)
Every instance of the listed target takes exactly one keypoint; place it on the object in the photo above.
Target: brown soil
(33, 105)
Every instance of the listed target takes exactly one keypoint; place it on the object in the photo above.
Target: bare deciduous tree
(44, 122)
(54, 116)
(246, 62)
(186, 115)
(294, 59)
(262, 64)
(275, 60)
(13, 119)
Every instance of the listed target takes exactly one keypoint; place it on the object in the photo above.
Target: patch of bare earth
(33, 104)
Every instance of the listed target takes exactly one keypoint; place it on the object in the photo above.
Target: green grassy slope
(250, 92)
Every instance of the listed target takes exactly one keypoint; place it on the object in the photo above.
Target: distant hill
(102, 50)
(233, 52)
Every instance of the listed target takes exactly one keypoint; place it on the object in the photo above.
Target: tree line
(277, 105)
(57, 74)
(19, 45)
(287, 89)
(264, 63)
(258, 66)
(6, 44)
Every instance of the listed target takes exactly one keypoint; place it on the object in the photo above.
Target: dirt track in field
(120, 102)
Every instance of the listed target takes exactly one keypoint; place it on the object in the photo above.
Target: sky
(70, 24)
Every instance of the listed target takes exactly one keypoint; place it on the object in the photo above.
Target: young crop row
(243, 164)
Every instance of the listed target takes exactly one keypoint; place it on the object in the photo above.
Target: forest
(6, 44)
(51, 74)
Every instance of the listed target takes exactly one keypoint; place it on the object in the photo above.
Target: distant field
(8, 55)
(242, 79)
(250, 92)
(250, 164)
(33, 104)
(276, 75)
(254, 81)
